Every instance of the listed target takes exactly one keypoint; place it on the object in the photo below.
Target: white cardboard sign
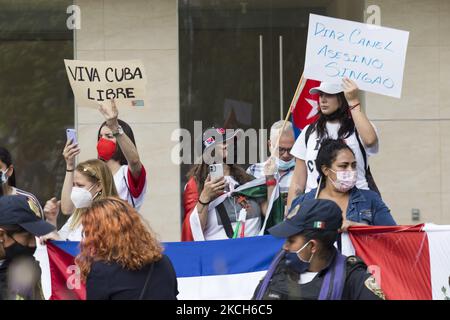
(370, 55)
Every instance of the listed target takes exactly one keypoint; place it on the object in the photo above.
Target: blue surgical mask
(293, 261)
(285, 165)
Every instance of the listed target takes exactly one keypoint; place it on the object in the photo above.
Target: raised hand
(110, 112)
(70, 151)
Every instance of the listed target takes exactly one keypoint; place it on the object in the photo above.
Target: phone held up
(72, 135)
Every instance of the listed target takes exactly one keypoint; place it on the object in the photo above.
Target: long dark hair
(327, 155)
(5, 157)
(341, 114)
(118, 155)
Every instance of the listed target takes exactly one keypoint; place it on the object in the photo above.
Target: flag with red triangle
(306, 109)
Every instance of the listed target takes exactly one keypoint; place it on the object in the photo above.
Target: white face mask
(81, 197)
(4, 178)
(345, 179)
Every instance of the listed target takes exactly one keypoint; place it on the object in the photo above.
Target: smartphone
(72, 135)
(216, 171)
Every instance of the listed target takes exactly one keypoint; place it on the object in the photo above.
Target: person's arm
(69, 153)
(365, 129)
(270, 168)
(129, 150)
(211, 189)
(348, 223)
(382, 215)
(51, 211)
(298, 181)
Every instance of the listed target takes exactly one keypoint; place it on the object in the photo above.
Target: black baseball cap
(316, 214)
(18, 210)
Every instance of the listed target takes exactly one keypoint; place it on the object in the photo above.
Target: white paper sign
(95, 82)
(372, 56)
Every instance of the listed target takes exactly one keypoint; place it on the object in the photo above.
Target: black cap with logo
(316, 214)
(18, 210)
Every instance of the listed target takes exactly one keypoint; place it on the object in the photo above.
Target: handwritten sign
(94, 82)
(372, 56)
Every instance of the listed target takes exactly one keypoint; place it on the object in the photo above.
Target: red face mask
(105, 149)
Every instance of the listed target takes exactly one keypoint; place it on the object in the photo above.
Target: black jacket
(109, 281)
(359, 285)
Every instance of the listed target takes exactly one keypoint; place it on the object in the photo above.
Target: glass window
(224, 44)
(36, 100)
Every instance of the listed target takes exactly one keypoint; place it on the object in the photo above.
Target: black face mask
(293, 262)
(18, 250)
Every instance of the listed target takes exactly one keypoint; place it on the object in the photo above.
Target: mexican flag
(257, 189)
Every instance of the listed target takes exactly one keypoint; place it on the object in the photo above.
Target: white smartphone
(72, 135)
(216, 171)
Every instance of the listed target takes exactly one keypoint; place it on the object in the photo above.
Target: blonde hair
(95, 171)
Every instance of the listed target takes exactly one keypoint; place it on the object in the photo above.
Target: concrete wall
(146, 30)
(413, 166)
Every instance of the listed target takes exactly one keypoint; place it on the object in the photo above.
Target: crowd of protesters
(325, 167)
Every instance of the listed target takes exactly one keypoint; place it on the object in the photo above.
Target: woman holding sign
(117, 147)
(340, 117)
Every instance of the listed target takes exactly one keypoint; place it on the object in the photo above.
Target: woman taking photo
(340, 117)
(211, 211)
(120, 259)
(337, 171)
(117, 148)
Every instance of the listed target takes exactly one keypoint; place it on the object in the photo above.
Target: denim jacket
(365, 206)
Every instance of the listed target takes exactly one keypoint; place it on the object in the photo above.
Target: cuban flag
(408, 262)
(306, 107)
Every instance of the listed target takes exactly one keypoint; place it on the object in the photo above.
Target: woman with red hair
(120, 258)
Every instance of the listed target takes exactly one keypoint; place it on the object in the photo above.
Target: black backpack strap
(369, 177)
(363, 150)
(149, 274)
(129, 191)
(310, 129)
(225, 220)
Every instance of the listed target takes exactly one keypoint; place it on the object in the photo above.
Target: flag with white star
(306, 108)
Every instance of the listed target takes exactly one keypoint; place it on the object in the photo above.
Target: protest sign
(94, 82)
(370, 55)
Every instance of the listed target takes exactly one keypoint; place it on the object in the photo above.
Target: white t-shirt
(121, 180)
(67, 233)
(307, 277)
(214, 230)
(309, 154)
